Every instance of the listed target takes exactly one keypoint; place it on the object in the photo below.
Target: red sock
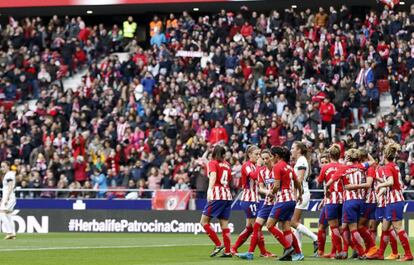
(366, 236)
(393, 241)
(291, 238)
(280, 236)
(333, 249)
(357, 241)
(261, 243)
(336, 238)
(243, 237)
(385, 237)
(346, 239)
(405, 243)
(226, 240)
(373, 233)
(213, 236)
(255, 237)
(321, 240)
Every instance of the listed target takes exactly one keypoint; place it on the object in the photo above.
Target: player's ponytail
(391, 150)
(303, 150)
(334, 152)
(219, 152)
(249, 150)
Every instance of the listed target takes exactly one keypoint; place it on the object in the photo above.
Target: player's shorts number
(253, 208)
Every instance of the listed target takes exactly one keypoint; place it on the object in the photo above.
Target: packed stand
(239, 78)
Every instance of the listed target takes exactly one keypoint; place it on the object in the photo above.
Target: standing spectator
(155, 26)
(129, 28)
(327, 112)
(218, 134)
(80, 167)
(321, 18)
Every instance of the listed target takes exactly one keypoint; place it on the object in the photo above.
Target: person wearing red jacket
(218, 133)
(327, 112)
(246, 30)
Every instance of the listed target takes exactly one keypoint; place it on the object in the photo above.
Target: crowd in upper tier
(239, 77)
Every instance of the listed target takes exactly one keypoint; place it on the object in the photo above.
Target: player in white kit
(302, 170)
(8, 200)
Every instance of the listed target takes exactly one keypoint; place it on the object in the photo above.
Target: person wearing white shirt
(8, 200)
(302, 170)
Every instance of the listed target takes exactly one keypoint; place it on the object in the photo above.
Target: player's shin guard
(346, 239)
(336, 238)
(280, 236)
(255, 237)
(373, 233)
(243, 237)
(291, 238)
(321, 240)
(405, 243)
(213, 236)
(366, 236)
(393, 241)
(226, 240)
(261, 243)
(357, 241)
(385, 238)
(305, 231)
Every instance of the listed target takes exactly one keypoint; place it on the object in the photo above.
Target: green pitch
(130, 249)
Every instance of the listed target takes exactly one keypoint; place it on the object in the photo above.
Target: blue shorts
(394, 211)
(333, 211)
(219, 209)
(322, 217)
(368, 211)
(283, 211)
(380, 214)
(265, 211)
(250, 209)
(351, 211)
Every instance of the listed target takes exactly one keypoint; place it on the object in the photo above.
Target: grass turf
(130, 249)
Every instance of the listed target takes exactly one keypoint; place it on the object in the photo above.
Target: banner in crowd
(45, 3)
(170, 200)
(115, 221)
(189, 54)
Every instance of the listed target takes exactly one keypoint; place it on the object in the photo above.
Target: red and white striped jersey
(221, 189)
(266, 177)
(285, 174)
(336, 189)
(395, 192)
(352, 175)
(379, 178)
(370, 196)
(249, 183)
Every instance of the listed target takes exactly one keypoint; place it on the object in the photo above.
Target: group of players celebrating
(359, 194)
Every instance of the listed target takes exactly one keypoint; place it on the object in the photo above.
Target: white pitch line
(98, 247)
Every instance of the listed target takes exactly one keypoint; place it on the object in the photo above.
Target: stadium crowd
(235, 77)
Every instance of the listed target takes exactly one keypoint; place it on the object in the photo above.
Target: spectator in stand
(129, 28)
(321, 18)
(327, 112)
(265, 86)
(155, 26)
